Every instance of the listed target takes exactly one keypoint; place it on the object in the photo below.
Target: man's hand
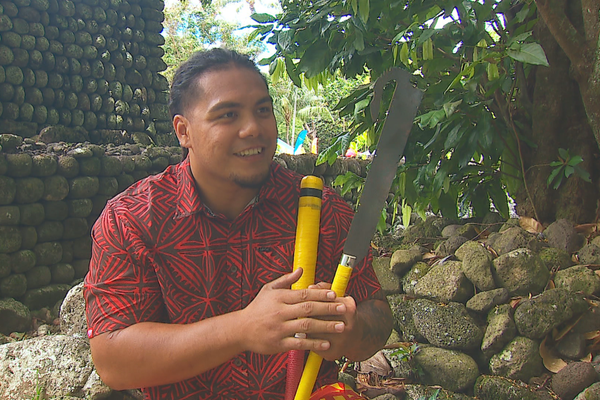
(277, 313)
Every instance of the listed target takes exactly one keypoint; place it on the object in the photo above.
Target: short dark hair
(184, 81)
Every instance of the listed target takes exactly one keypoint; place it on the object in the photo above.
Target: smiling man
(189, 290)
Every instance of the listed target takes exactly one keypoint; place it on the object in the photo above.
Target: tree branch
(591, 22)
(567, 37)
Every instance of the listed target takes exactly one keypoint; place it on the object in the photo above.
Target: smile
(250, 152)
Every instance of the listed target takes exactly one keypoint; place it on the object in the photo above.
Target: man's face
(230, 130)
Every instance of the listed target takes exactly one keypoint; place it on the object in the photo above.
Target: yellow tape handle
(307, 230)
(313, 364)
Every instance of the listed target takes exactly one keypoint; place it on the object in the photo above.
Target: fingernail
(325, 345)
(339, 327)
(331, 295)
(340, 308)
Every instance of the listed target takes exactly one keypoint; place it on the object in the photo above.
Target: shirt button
(237, 362)
(232, 269)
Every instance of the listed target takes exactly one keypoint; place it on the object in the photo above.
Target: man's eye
(264, 110)
(230, 114)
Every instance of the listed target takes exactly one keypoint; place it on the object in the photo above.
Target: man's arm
(150, 353)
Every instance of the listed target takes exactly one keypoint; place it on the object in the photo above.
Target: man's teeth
(250, 152)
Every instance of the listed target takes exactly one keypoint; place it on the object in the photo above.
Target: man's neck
(229, 202)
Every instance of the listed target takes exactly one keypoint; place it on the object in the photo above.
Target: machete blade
(396, 128)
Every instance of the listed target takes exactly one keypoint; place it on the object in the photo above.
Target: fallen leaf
(591, 335)
(514, 302)
(550, 285)
(587, 358)
(561, 334)
(531, 225)
(377, 364)
(551, 362)
(428, 256)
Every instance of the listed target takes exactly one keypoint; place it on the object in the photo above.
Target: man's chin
(251, 181)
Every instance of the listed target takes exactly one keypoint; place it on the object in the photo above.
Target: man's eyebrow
(234, 104)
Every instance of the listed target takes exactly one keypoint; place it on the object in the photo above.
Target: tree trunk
(559, 120)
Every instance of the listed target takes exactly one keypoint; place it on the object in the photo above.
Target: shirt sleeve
(121, 288)
(336, 217)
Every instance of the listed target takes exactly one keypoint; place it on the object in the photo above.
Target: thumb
(286, 281)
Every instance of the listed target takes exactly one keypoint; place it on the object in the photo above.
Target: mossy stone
(8, 190)
(56, 210)
(11, 39)
(80, 208)
(75, 227)
(44, 165)
(5, 266)
(49, 231)
(10, 239)
(28, 237)
(48, 253)
(124, 181)
(46, 296)
(13, 286)
(99, 202)
(62, 273)
(32, 214)
(108, 185)
(10, 215)
(90, 166)
(38, 277)
(67, 256)
(68, 166)
(82, 247)
(22, 261)
(6, 54)
(29, 190)
(14, 74)
(84, 186)
(19, 165)
(56, 187)
(81, 267)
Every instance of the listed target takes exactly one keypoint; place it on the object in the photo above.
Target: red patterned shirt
(159, 254)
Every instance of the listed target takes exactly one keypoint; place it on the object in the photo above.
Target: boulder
(60, 365)
(404, 324)
(500, 331)
(445, 282)
(496, 387)
(477, 265)
(537, 316)
(573, 379)
(484, 301)
(450, 245)
(446, 325)
(390, 282)
(561, 234)
(589, 254)
(578, 279)
(418, 392)
(592, 392)
(450, 369)
(521, 272)
(14, 316)
(555, 259)
(412, 277)
(403, 260)
(511, 239)
(520, 359)
(72, 313)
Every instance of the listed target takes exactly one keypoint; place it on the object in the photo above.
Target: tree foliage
(473, 60)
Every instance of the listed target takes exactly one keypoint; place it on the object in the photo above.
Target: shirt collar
(188, 198)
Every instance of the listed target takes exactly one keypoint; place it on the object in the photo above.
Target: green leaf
(292, 72)
(355, 6)
(263, 18)
(404, 54)
(406, 212)
(583, 174)
(363, 10)
(563, 153)
(553, 176)
(359, 41)
(453, 137)
(315, 59)
(530, 53)
(575, 160)
(569, 170)
(499, 198)
(450, 107)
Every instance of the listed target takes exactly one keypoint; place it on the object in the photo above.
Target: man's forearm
(375, 319)
(151, 354)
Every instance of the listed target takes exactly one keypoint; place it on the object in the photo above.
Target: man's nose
(250, 127)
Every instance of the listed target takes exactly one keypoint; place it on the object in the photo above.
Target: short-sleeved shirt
(159, 254)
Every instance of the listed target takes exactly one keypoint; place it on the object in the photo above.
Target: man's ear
(181, 127)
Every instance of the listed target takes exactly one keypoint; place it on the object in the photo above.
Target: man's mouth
(250, 152)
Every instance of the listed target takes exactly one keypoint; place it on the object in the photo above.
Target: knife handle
(313, 363)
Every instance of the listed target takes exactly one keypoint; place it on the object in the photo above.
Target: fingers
(285, 281)
(320, 285)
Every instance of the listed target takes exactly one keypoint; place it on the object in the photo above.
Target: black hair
(184, 86)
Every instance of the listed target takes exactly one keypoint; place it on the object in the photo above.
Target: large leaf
(530, 53)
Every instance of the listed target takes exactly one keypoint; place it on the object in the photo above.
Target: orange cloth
(336, 391)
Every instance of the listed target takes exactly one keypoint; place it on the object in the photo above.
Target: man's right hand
(277, 313)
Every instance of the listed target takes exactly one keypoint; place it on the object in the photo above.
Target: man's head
(223, 114)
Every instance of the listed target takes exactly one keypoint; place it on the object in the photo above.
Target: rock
(402, 363)
(390, 282)
(72, 313)
(573, 379)
(591, 393)
(555, 259)
(484, 301)
(445, 282)
(492, 222)
(449, 246)
(14, 316)
(447, 326)
(509, 240)
(578, 279)
(423, 232)
(500, 331)
(450, 369)
(403, 260)
(496, 387)
(412, 277)
(468, 231)
(45, 296)
(420, 392)
(520, 359)
(451, 230)
(62, 365)
(562, 235)
(536, 317)
(521, 272)
(477, 265)
(589, 254)
(404, 324)
(572, 346)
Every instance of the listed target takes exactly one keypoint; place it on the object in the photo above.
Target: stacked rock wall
(91, 65)
(51, 195)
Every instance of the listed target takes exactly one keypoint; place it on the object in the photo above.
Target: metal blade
(401, 114)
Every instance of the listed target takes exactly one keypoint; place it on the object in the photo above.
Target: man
(188, 294)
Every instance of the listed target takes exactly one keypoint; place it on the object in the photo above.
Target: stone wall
(51, 195)
(90, 65)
